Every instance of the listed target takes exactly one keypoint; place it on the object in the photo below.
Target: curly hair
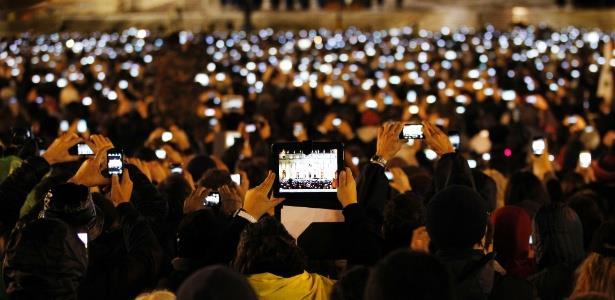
(266, 247)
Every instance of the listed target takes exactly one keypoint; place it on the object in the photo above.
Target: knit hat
(605, 168)
(513, 227)
(456, 218)
(215, 283)
(604, 239)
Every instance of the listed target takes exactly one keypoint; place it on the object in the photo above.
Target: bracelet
(245, 215)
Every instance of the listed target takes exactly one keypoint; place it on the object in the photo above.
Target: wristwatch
(244, 214)
(379, 160)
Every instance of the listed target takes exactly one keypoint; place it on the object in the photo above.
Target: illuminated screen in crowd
(311, 173)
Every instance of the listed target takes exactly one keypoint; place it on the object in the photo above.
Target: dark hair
(175, 189)
(404, 274)
(215, 178)
(402, 215)
(486, 187)
(526, 190)
(199, 235)
(255, 168)
(199, 164)
(351, 285)
(266, 246)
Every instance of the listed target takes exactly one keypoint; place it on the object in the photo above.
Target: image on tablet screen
(307, 173)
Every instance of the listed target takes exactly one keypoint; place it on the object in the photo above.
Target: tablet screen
(307, 173)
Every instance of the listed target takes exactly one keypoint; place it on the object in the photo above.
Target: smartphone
(585, 159)
(115, 162)
(64, 126)
(81, 149)
(176, 169)
(161, 154)
(230, 137)
(472, 163)
(388, 99)
(82, 126)
(236, 178)
(336, 122)
(454, 138)
(538, 146)
(531, 99)
(210, 112)
(412, 132)
(371, 103)
(508, 95)
(531, 241)
(213, 199)
(250, 128)
(571, 120)
(83, 236)
(389, 175)
(355, 160)
(166, 136)
(297, 129)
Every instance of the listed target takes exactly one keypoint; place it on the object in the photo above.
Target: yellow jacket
(303, 286)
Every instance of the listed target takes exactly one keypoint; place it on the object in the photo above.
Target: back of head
(199, 237)
(215, 283)
(266, 246)
(44, 260)
(456, 218)
(486, 187)
(409, 275)
(199, 164)
(526, 190)
(558, 236)
(72, 204)
(513, 228)
(597, 272)
(402, 215)
(175, 189)
(351, 285)
(215, 178)
(585, 204)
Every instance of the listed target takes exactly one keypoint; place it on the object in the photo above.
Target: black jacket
(44, 260)
(123, 262)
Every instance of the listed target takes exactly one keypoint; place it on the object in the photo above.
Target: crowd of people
(489, 219)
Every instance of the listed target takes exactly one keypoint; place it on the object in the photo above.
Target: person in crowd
(216, 283)
(596, 272)
(403, 274)
(511, 240)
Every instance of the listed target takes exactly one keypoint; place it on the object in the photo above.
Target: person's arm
(15, 188)
(145, 197)
(255, 205)
(373, 186)
(141, 264)
(364, 244)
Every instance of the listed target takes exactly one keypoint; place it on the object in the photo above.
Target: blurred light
(86, 101)
(507, 152)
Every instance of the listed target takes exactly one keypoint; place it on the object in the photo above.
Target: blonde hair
(157, 295)
(596, 274)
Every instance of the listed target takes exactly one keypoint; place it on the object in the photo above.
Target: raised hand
(231, 198)
(388, 140)
(58, 150)
(346, 188)
(436, 139)
(256, 202)
(121, 190)
(89, 173)
(194, 202)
